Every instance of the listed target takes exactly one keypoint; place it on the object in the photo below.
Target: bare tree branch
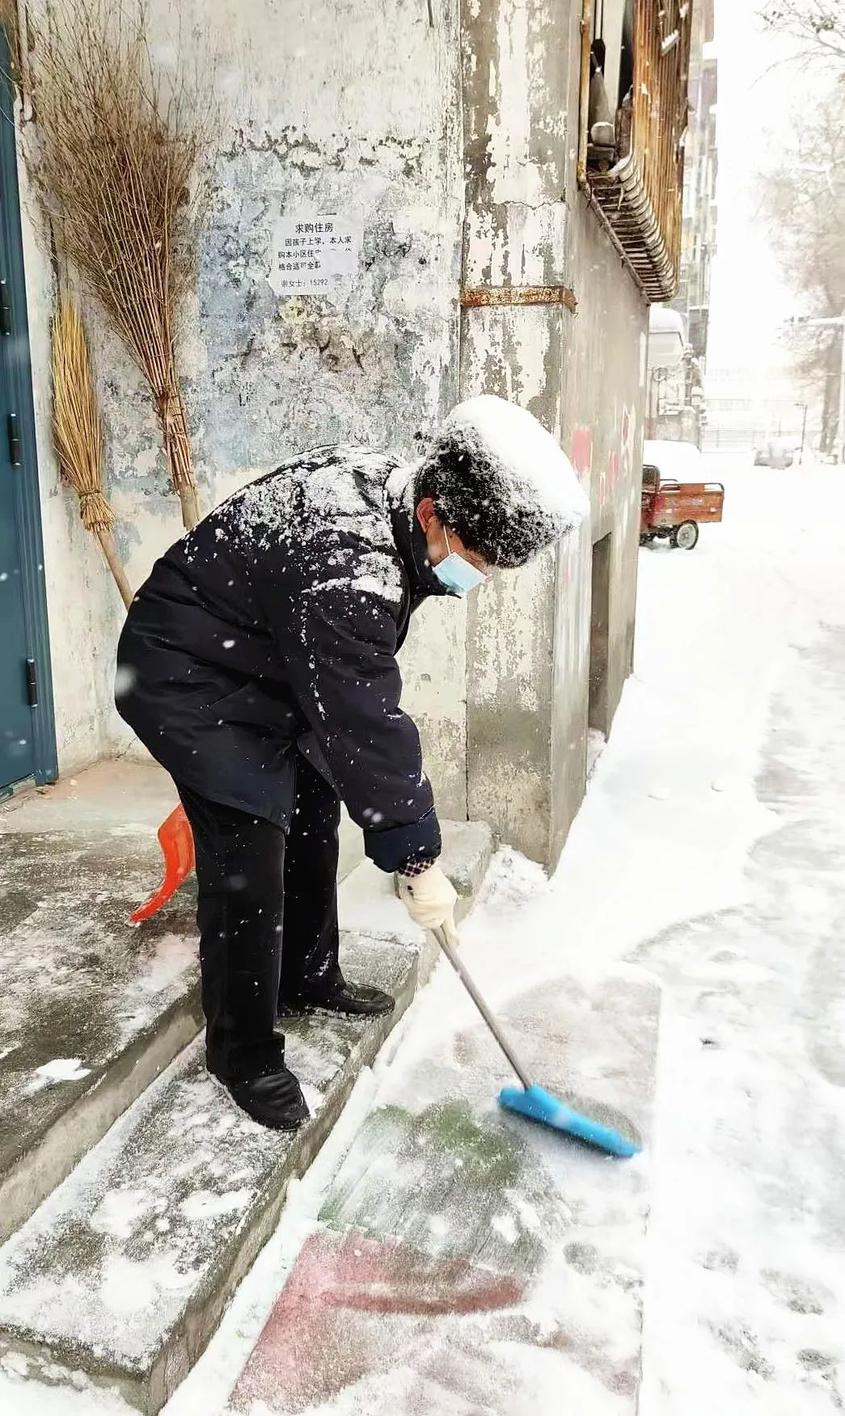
(802, 195)
(817, 25)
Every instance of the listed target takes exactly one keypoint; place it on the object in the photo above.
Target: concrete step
(91, 1009)
(123, 1273)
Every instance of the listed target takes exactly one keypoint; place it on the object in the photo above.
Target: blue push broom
(532, 1100)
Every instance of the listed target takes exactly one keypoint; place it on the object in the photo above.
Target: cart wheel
(685, 536)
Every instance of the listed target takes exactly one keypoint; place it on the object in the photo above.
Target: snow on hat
(501, 481)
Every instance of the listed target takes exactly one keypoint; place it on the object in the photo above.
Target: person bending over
(258, 665)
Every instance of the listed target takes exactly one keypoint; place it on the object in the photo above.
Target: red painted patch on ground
(319, 1337)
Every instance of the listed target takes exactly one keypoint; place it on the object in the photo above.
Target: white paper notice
(314, 255)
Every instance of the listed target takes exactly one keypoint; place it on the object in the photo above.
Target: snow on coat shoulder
(330, 504)
(526, 462)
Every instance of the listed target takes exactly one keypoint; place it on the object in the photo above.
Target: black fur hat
(500, 481)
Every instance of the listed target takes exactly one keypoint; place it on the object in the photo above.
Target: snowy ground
(709, 854)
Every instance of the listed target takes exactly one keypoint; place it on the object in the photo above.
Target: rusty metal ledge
(478, 296)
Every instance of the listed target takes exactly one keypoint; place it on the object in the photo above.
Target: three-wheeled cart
(674, 510)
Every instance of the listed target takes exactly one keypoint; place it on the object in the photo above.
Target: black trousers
(267, 918)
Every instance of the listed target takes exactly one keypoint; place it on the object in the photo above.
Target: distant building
(746, 407)
(676, 407)
(675, 392)
(698, 242)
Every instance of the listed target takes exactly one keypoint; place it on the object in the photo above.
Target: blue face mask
(456, 573)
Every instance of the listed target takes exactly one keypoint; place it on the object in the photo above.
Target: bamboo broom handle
(106, 540)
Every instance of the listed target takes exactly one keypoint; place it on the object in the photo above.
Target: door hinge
(15, 444)
(32, 683)
(5, 309)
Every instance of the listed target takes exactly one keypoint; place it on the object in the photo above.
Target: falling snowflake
(124, 680)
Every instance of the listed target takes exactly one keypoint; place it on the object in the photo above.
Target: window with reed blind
(634, 106)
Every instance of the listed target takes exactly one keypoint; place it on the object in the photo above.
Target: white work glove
(430, 899)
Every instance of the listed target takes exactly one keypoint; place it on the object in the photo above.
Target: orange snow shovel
(177, 844)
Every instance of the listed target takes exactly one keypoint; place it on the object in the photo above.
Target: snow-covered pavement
(718, 812)
(708, 855)
(705, 868)
(745, 1280)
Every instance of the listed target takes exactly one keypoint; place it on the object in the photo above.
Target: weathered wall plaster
(604, 390)
(368, 112)
(513, 352)
(526, 224)
(306, 127)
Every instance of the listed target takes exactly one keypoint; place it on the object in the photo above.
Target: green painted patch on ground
(447, 1182)
(489, 1156)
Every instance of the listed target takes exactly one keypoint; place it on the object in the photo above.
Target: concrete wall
(603, 401)
(605, 374)
(515, 118)
(583, 376)
(454, 149)
(305, 129)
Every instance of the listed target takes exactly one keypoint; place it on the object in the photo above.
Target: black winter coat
(272, 628)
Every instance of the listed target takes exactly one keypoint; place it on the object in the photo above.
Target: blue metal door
(17, 686)
(27, 737)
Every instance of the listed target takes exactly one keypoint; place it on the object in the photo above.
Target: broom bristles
(77, 428)
(118, 161)
(78, 433)
(9, 22)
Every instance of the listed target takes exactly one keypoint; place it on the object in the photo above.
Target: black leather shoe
(275, 1101)
(356, 1000)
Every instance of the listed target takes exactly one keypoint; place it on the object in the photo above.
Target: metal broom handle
(466, 979)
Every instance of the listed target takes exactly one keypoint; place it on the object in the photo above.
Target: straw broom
(78, 433)
(10, 21)
(13, 18)
(118, 163)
